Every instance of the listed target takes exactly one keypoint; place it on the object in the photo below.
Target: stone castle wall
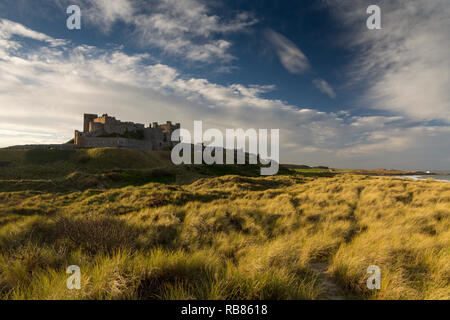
(112, 125)
(116, 142)
(88, 118)
(99, 132)
(44, 147)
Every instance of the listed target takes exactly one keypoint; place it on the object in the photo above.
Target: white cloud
(291, 57)
(43, 94)
(182, 28)
(324, 87)
(374, 122)
(105, 12)
(9, 28)
(406, 65)
(294, 60)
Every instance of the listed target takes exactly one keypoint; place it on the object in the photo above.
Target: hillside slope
(70, 170)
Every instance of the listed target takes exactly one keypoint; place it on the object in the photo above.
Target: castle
(106, 131)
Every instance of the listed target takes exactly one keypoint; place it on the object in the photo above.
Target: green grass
(71, 170)
(315, 172)
(28, 164)
(312, 170)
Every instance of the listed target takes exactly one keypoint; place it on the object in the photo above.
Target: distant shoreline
(437, 177)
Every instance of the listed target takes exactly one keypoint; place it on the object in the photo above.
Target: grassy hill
(140, 228)
(70, 170)
(27, 164)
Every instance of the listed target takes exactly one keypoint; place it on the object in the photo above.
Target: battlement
(107, 131)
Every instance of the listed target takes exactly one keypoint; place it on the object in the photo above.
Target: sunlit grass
(227, 237)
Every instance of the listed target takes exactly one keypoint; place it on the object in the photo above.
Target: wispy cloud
(323, 86)
(406, 65)
(106, 13)
(9, 28)
(185, 28)
(294, 60)
(291, 57)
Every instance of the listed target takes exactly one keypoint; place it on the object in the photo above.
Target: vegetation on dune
(49, 164)
(75, 170)
(220, 236)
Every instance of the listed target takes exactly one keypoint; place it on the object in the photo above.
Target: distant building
(106, 131)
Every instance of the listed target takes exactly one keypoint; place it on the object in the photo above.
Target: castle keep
(106, 131)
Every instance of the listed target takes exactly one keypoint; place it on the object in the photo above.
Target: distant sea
(440, 177)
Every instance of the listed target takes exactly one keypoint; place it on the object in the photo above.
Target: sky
(342, 95)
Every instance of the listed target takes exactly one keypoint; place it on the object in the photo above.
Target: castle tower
(87, 119)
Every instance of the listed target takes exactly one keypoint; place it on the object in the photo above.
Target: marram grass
(229, 237)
